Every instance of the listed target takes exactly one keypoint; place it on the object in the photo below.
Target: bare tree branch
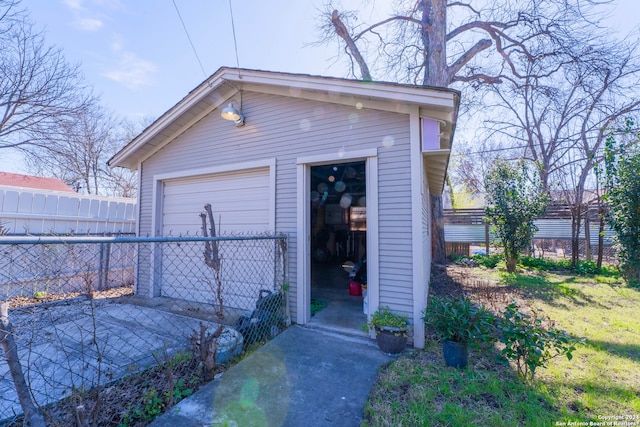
(343, 33)
(37, 86)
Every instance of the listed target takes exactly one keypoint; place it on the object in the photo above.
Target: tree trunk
(433, 34)
(587, 236)
(600, 235)
(438, 251)
(575, 234)
(511, 261)
(32, 416)
(436, 73)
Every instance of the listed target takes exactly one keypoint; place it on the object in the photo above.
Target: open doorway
(338, 226)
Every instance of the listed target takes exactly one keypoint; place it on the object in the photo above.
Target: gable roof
(30, 181)
(437, 103)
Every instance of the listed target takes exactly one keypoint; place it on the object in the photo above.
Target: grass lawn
(602, 380)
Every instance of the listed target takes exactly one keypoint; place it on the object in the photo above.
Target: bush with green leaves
(459, 319)
(587, 268)
(620, 176)
(384, 317)
(543, 264)
(530, 341)
(514, 199)
(584, 268)
(488, 261)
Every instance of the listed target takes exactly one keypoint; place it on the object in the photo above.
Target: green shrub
(488, 261)
(385, 317)
(530, 343)
(586, 268)
(149, 409)
(619, 174)
(610, 271)
(538, 263)
(459, 319)
(563, 264)
(40, 294)
(514, 197)
(545, 264)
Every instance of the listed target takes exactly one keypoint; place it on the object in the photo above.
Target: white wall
(31, 211)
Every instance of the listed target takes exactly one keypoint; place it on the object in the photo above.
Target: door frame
(303, 251)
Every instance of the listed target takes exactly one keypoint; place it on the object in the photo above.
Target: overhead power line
(235, 43)
(490, 151)
(195, 52)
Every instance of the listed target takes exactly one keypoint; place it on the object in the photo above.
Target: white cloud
(73, 4)
(117, 45)
(89, 24)
(83, 20)
(132, 71)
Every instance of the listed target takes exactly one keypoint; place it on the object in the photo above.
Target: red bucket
(355, 288)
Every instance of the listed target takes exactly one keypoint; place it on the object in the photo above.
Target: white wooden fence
(31, 211)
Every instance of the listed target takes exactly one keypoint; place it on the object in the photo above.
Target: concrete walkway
(303, 377)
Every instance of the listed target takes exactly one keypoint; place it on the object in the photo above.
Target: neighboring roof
(37, 182)
(437, 103)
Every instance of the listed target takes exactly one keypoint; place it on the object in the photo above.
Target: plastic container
(355, 288)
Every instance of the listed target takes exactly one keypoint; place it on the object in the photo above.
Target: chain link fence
(84, 317)
(561, 249)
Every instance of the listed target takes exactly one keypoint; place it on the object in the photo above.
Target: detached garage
(345, 168)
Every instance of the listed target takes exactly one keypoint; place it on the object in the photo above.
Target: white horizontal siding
(394, 205)
(285, 129)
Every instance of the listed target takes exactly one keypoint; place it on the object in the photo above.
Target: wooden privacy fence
(466, 227)
(31, 211)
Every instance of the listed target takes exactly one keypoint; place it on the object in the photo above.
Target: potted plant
(458, 322)
(390, 328)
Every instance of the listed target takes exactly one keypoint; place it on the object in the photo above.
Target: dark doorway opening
(338, 245)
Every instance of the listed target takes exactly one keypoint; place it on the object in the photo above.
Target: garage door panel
(240, 200)
(186, 210)
(237, 222)
(241, 205)
(237, 195)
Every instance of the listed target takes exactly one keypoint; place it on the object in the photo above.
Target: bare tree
(122, 181)
(560, 120)
(78, 154)
(472, 162)
(479, 43)
(38, 87)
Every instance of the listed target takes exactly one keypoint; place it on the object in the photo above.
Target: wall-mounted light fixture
(230, 113)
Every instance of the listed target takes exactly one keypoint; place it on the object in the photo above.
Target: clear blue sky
(136, 55)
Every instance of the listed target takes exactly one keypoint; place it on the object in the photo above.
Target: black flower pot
(391, 340)
(455, 353)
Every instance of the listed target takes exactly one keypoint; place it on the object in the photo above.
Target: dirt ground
(25, 301)
(454, 279)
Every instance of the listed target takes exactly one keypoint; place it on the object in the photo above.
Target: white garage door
(240, 202)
